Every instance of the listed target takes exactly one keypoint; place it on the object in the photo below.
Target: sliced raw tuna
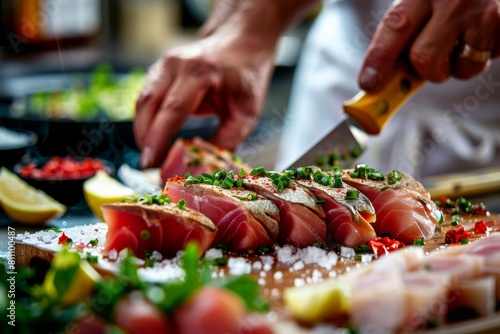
(246, 221)
(301, 217)
(197, 157)
(347, 220)
(403, 207)
(148, 227)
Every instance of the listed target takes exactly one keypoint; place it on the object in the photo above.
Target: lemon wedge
(25, 204)
(319, 301)
(103, 189)
(69, 279)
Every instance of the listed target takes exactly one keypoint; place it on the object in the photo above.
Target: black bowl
(68, 191)
(11, 154)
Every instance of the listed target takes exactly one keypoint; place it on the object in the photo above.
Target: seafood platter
(226, 248)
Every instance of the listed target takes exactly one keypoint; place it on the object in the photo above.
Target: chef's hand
(223, 74)
(440, 38)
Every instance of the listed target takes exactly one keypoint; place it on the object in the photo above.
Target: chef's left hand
(439, 38)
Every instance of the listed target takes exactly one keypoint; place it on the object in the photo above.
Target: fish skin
(257, 220)
(345, 224)
(127, 220)
(404, 209)
(301, 218)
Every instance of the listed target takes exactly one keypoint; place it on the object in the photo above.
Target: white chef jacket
(444, 128)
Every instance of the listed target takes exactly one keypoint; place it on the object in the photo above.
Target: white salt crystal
(238, 266)
(261, 281)
(268, 267)
(156, 256)
(266, 259)
(112, 254)
(286, 254)
(347, 252)
(299, 265)
(298, 282)
(257, 265)
(278, 275)
(213, 253)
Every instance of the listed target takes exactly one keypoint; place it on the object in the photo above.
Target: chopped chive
(352, 194)
(182, 204)
(145, 234)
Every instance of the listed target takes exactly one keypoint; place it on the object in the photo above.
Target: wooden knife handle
(373, 111)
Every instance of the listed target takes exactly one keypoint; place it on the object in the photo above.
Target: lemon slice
(69, 279)
(103, 189)
(319, 301)
(25, 204)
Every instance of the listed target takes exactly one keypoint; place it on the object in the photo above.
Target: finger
(183, 98)
(478, 41)
(394, 33)
(235, 128)
(432, 49)
(158, 81)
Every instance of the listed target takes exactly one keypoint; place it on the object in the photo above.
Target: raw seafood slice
(379, 302)
(424, 292)
(403, 207)
(197, 157)
(148, 227)
(348, 217)
(246, 221)
(301, 218)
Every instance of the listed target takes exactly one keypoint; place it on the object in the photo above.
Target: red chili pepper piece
(456, 234)
(480, 227)
(63, 239)
(381, 246)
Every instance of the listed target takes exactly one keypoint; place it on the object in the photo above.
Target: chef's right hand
(224, 74)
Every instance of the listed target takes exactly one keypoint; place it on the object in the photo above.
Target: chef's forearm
(265, 18)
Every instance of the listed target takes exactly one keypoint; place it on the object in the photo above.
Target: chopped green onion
(94, 242)
(92, 258)
(352, 194)
(259, 171)
(394, 176)
(182, 204)
(464, 241)
(145, 234)
(242, 172)
(195, 149)
(419, 242)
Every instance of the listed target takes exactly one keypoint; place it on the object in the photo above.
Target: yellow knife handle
(373, 111)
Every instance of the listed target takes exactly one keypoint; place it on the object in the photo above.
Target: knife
(366, 114)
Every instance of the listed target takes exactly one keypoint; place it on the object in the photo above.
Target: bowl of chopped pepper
(62, 177)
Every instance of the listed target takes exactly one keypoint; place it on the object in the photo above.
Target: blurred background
(70, 70)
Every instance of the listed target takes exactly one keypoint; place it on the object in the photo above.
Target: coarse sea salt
(213, 253)
(238, 266)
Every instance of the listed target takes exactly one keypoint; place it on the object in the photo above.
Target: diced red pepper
(63, 239)
(456, 235)
(381, 246)
(480, 227)
(64, 168)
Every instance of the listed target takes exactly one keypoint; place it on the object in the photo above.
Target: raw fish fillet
(301, 218)
(197, 157)
(404, 210)
(243, 224)
(149, 227)
(347, 221)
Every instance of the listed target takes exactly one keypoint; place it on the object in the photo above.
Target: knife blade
(365, 114)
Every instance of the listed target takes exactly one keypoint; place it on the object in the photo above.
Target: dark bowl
(12, 154)
(68, 191)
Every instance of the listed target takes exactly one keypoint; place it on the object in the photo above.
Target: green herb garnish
(182, 204)
(352, 194)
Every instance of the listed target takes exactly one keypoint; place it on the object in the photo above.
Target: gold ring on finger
(473, 54)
